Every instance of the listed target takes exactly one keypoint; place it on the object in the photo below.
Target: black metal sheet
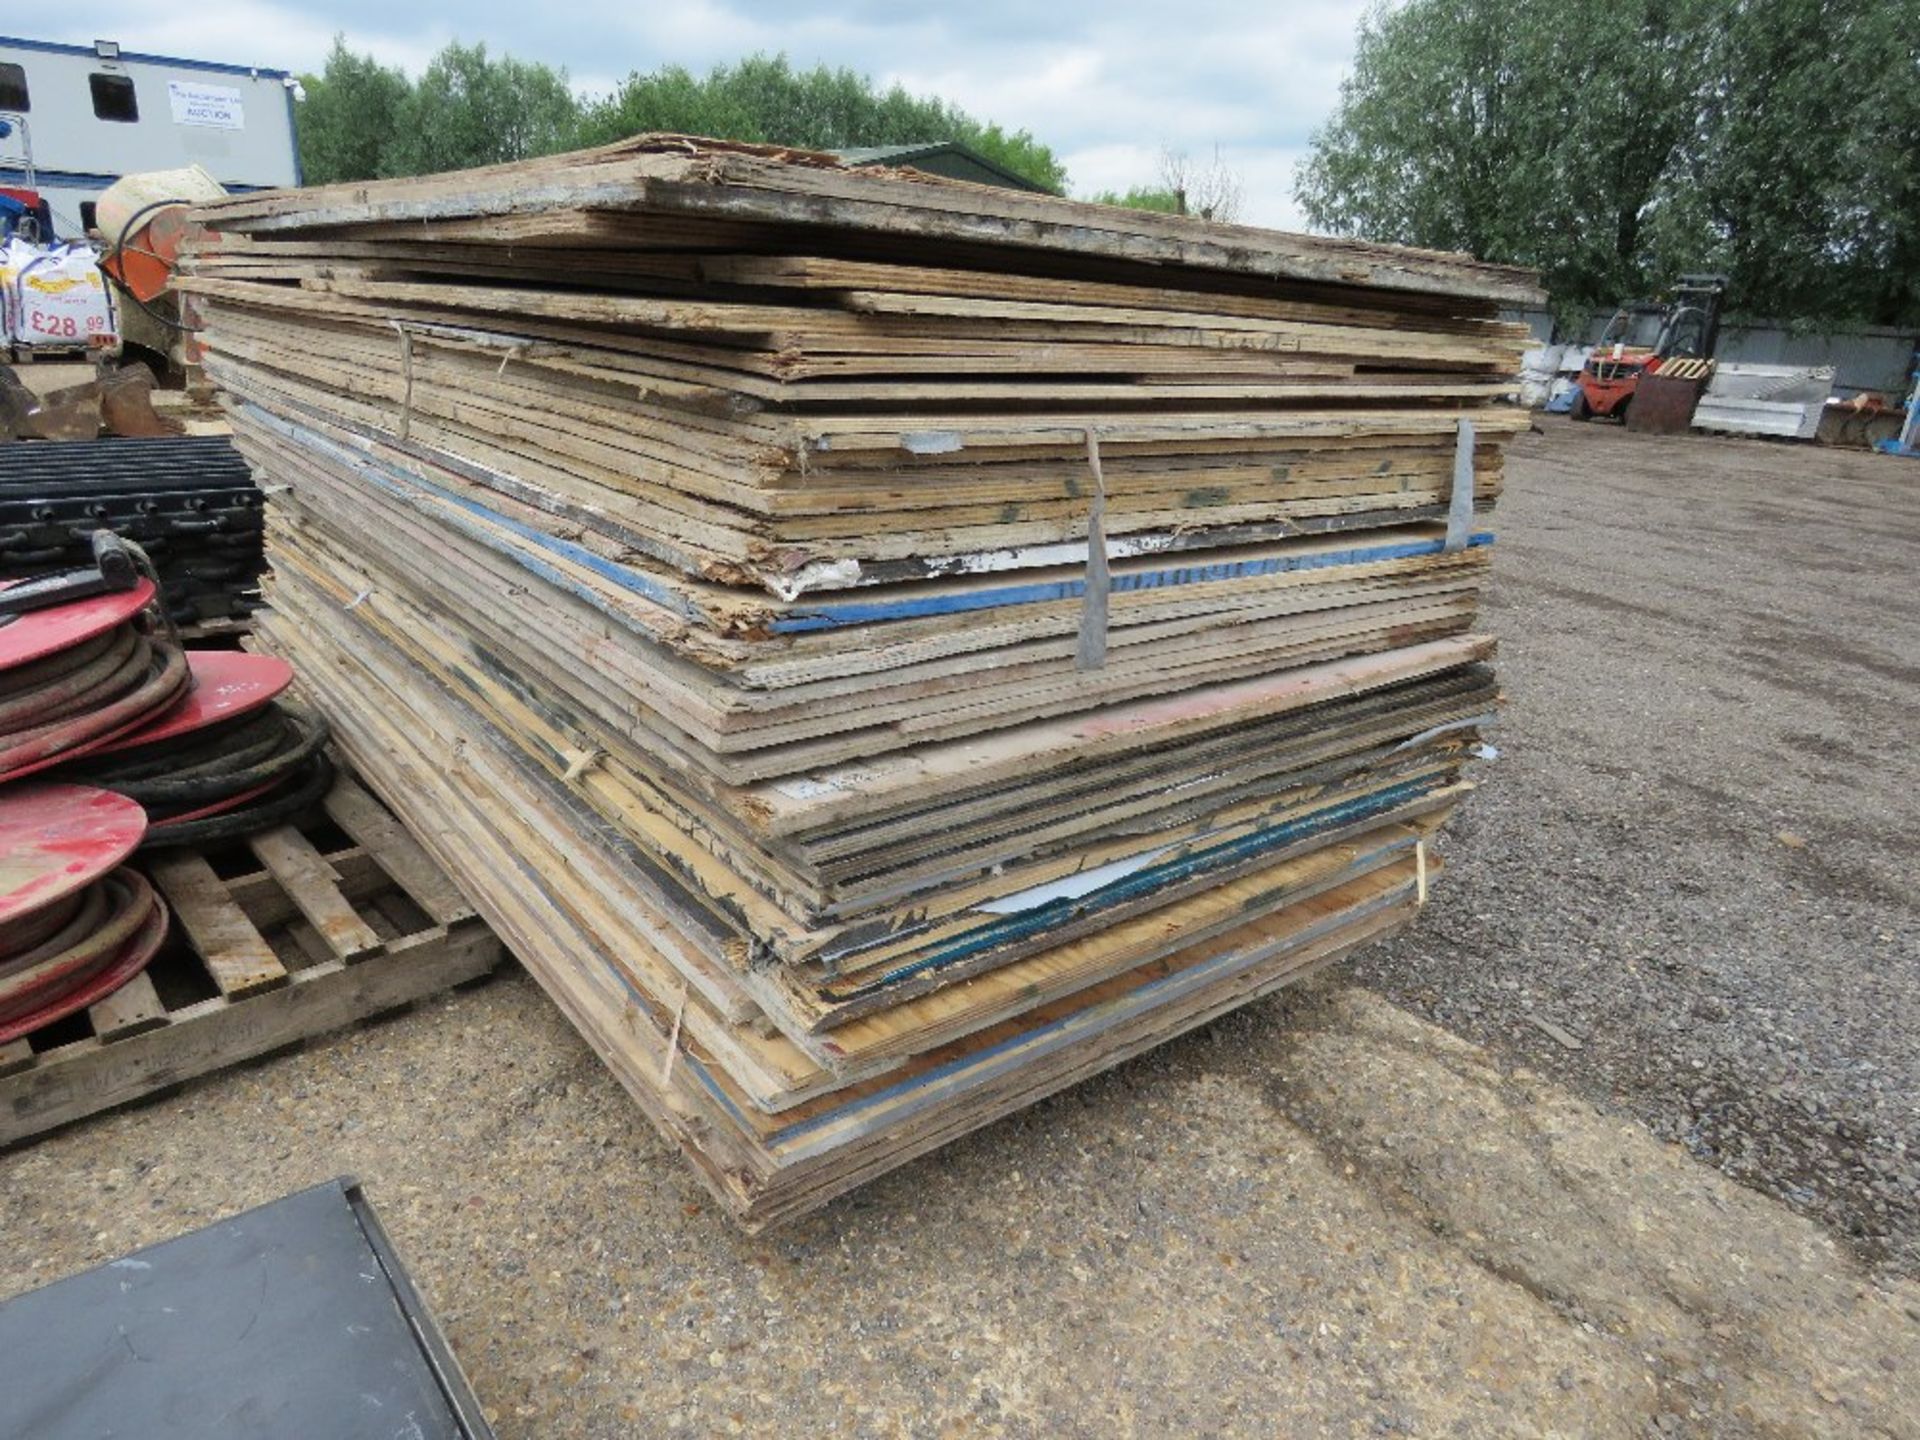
(292, 1319)
(119, 465)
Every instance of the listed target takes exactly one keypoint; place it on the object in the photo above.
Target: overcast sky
(1107, 85)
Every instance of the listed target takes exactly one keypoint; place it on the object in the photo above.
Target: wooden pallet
(291, 933)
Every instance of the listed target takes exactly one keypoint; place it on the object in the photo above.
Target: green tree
(1807, 168)
(1531, 131)
(764, 100)
(1884, 203)
(1617, 143)
(471, 109)
(1140, 197)
(348, 115)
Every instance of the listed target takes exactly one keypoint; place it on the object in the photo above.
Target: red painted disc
(56, 838)
(226, 684)
(40, 633)
(134, 957)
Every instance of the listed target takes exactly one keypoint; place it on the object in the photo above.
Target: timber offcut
(879, 648)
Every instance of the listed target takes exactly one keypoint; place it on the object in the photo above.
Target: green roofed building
(942, 157)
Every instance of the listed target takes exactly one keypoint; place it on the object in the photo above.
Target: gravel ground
(1321, 1216)
(1695, 856)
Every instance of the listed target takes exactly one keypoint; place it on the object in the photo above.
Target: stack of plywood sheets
(880, 648)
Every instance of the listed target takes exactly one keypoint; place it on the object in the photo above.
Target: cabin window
(113, 98)
(13, 88)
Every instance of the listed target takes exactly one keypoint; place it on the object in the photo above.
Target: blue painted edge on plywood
(394, 482)
(837, 615)
(1140, 883)
(832, 614)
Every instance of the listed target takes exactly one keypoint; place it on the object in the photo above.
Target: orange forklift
(1646, 336)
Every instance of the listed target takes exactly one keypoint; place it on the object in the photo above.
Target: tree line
(361, 120)
(1618, 143)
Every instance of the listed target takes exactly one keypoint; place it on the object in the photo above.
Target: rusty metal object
(1664, 403)
(116, 402)
(17, 404)
(126, 405)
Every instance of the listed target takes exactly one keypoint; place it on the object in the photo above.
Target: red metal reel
(56, 839)
(40, 633)
(226, 684)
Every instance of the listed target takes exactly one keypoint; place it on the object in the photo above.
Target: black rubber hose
(275, 809)
(236, 743)
(215, 777)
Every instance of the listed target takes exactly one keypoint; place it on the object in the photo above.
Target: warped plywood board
(768, 1165)
(686, 178)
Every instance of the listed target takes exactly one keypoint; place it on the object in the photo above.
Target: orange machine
(143, 220)
(140, 224)
(1645, 335)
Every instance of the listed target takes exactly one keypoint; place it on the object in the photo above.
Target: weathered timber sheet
(769, 1167)
(711, 498)
(680, 176)
(879, 648)
(956, 930)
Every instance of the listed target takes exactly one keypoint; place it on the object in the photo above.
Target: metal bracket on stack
(1460, 505)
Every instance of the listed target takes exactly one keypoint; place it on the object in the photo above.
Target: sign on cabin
(211, 105)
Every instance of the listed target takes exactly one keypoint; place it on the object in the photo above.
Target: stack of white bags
(53, 296)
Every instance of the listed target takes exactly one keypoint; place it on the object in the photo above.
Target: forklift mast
(1692, 325)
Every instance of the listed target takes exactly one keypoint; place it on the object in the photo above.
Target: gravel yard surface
(1321, 1216)
(1696, 856)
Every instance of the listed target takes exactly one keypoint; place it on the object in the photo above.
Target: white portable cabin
(93, 113)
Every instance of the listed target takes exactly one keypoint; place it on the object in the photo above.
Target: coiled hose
(230, 779)
(110, 933)
(87, 692)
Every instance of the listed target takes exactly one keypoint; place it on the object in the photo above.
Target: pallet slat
(237, 956)
(397, 852)
(314, 887)
(132, 1009)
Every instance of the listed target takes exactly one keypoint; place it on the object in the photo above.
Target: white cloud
(1107, 85)
(254, 32)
